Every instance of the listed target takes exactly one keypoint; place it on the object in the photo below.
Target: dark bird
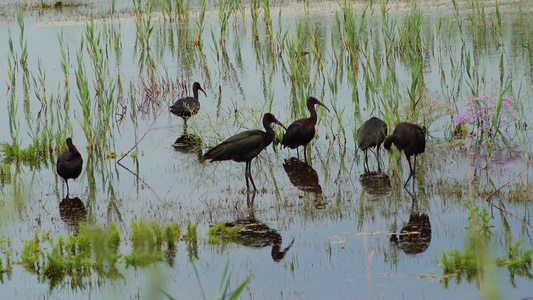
(410, 139)
(69, 163)
(371, 134)
(302, 131)
(244, 146)
(302, 175)
(189, 106)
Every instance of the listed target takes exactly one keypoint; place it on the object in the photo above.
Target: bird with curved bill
(302, 131)
(188, 106)
(245, 146)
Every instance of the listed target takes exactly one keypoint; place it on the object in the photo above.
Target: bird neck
(312, 110)
(268, 127)
(73, 149)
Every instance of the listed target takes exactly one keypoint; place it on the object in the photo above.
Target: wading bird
(245, 146)
(410, 139)
(302, 131)
(69, 163)
(189, 106)
(371, 134)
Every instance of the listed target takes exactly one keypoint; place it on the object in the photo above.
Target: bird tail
(214, 153)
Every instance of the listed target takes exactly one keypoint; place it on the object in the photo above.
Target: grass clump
(93, 249)
(148, 239)
(220, 233)
(459, 264)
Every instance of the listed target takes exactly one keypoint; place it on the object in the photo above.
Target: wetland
(150, 218)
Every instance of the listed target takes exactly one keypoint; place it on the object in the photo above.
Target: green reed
(23, 61)
(278, 45)
(499, 25)
(225, 10)
(317, 51)
(409, 32)
(255, 5)
(458, 20)
(144, 28)
(267, 18)
(334, 88)
(84, 99)
(104, 85)
(167, 11)
(477, 18)
(388, 29)
(12, 103)
(200, 24)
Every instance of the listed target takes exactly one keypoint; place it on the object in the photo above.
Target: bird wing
(237, 146)
(292, 132)
(185, 104)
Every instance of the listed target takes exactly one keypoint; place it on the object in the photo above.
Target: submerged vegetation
(462, 74)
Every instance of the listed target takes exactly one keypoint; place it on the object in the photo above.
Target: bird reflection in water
(257, 234)
(375, 183)
(302, 175)
(415, 236)
(189, 143)
(72, 212)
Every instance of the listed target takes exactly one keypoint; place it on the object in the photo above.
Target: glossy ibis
(410, 139)
(371, 134)
(189, 106)
(244, 146)
(302, 131)
(69, 163)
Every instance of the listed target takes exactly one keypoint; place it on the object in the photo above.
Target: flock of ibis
(246, 145)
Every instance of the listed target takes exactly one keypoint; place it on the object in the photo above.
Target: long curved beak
(279, 123)
(322, 104)
(203, 92)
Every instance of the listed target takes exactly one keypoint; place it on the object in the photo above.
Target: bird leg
(414, 172)
(377, 158)
(248, 174)
(366, 161)
(411, 171)
(305, 152)
(66, 181)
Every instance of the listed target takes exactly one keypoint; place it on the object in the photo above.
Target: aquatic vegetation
(96, 249)
(148, 240)
(484, 111)
(222, 233)
(473, 262)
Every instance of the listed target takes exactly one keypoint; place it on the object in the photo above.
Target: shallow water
(344, 237)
